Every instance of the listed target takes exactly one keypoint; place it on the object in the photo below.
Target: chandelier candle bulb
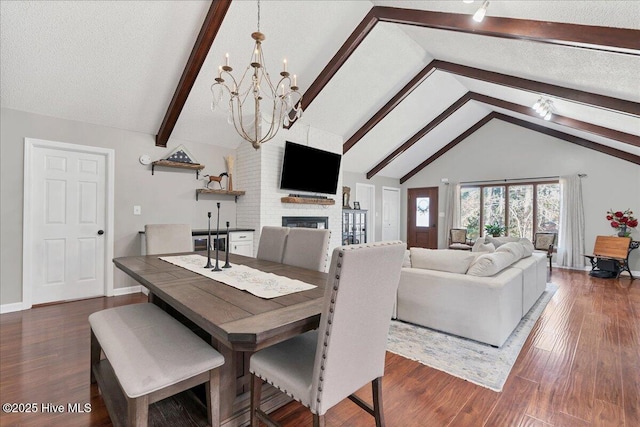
(295, 80)
(284, 64)
(226, 59)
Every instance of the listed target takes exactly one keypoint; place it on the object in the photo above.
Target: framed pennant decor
(181, 155)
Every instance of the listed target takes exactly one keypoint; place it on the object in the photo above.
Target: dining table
(235, 322)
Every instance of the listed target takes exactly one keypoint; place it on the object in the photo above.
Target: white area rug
(470, 360)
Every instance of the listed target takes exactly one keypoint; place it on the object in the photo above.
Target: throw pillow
(406, 262)
(451, 261)
(527, 246)
(515, 248)
(483, 247)
(490, 264)
(499, 241)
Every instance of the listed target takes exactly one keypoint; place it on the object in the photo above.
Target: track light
(544, 108)
(538, 104)
(480, 13)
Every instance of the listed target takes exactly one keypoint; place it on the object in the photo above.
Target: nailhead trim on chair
(329, 320)
(336, 285)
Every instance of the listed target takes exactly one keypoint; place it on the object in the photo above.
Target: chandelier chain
(258, 15)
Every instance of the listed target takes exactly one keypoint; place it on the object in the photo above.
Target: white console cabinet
(241, 243)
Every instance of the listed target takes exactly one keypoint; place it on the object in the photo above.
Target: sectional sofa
(479, 295)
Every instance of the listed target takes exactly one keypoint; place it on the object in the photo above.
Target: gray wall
(502, 150)
(166, 197)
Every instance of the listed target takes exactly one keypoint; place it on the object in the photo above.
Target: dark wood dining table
(236, 322)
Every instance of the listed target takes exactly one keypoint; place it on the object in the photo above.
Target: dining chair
(168, 238)
(458, 239)
(272, 242)
(307, 248)
(544, 242)
(322, 367)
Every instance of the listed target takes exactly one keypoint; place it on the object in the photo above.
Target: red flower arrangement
(621, 221)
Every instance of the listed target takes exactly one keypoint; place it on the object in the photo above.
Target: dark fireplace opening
(306, 221)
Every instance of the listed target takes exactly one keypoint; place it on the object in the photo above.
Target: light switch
(137, 210)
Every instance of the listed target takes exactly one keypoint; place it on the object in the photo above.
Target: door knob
(100, 232)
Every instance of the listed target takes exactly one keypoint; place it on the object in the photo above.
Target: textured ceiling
(118, 63)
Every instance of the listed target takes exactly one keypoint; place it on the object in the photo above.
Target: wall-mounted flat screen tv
(309, 169)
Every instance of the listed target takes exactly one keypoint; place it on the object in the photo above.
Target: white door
(67, 223)
(390, 213)
(366, 196)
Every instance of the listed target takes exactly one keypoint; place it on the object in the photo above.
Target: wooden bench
(153, 356)
(610, 250)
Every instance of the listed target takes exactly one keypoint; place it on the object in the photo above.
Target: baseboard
(587, 269)
(127, 291)
(10, 308)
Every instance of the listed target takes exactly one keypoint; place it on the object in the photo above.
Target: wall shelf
(235, 193)
(169, 164)
(308, 201)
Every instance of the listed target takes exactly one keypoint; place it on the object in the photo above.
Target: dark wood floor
(579, 367)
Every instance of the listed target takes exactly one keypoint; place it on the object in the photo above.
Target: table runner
(257, 282)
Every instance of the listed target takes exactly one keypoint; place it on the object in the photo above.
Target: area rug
(470, 360)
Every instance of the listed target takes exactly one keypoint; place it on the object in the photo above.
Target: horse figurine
(213, 178)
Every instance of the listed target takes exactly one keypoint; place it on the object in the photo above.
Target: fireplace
(306, 221)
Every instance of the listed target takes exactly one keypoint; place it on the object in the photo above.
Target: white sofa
(485, 308)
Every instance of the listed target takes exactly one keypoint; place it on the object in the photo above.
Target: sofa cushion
(514, 248)
(449, 260)
(491, 263)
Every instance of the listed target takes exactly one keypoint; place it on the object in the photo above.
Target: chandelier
(254, 100)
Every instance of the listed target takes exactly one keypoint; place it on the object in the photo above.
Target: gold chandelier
(282, 102)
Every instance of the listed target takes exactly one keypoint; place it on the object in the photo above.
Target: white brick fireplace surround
(258, 173)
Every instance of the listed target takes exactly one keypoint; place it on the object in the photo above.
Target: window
(422, 212)
(522, 208)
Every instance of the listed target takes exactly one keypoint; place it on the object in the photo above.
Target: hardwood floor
(579, 367)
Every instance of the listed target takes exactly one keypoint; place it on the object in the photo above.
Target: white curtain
(571, 232)
(451, 210)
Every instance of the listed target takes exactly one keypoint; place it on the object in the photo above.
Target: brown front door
(422, 217)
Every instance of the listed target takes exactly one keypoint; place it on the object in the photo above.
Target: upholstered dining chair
(322, 367)
(458, 239)
(168, 238)
(307, 248)
(544, 242)
(272, 241)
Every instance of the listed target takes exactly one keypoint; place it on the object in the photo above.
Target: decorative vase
(622, 231)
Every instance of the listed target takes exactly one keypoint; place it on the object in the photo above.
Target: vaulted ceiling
(400, 86)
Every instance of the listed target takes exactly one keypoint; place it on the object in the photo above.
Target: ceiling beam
(602, 131)
(449, 146)
(514, 82)
(420, 134)
(609, 39)
(571, 138)
(389, 106)
(348, 47)
(575, 95)
(531, 126)
(208, 32)
(572, 35)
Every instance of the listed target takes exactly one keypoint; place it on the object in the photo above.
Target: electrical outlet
(137, 210)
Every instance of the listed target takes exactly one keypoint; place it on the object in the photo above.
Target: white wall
(166, 197)
(261, 171)
(502, 150)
